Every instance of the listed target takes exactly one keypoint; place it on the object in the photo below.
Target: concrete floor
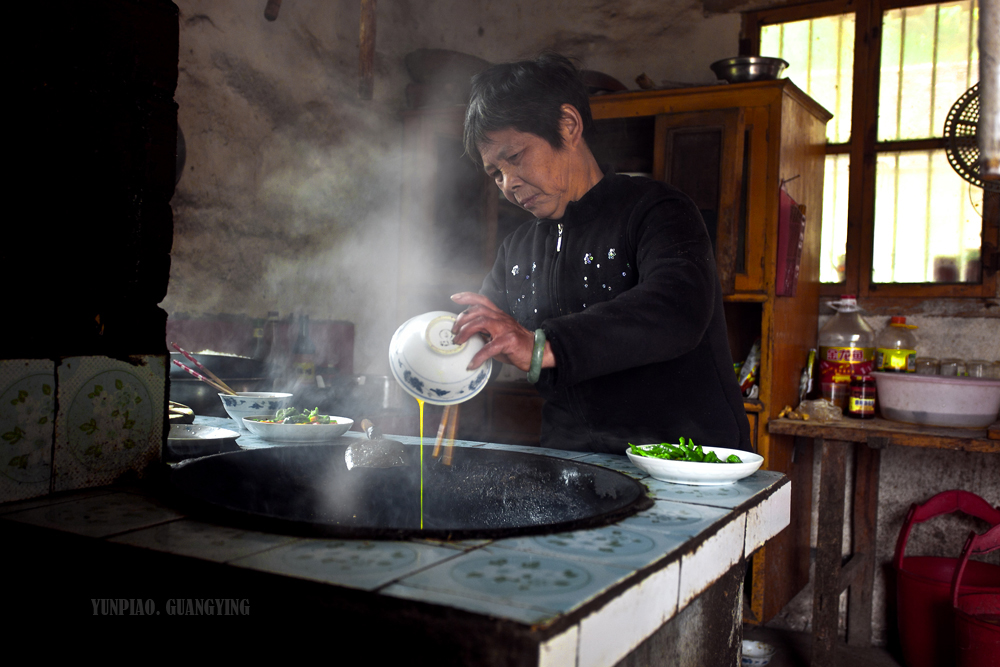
(794, 649)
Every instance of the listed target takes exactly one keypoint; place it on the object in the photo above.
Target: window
(898, 221)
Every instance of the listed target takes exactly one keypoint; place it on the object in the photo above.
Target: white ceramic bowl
(699, 474)
(756, 654)
(430, 367)
(937, 400)
(247, 403)
(281, 433)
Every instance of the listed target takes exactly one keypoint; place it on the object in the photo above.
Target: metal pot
(224, 365)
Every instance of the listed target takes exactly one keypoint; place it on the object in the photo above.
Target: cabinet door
(759, 193)
(702, 154)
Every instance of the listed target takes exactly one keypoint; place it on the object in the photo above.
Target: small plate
(699, 474)
(297, 432)
(187, 441)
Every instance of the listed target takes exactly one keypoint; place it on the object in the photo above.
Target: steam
(291, 197)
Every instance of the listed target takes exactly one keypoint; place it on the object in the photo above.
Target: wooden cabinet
(729, 147)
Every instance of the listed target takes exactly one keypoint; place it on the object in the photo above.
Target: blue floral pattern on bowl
(442, 385)
(253, 404)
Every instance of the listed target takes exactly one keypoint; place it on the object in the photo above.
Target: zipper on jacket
(553, 286)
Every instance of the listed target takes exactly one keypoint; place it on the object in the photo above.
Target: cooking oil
(846, 348)
(896, 347)
(421, 404)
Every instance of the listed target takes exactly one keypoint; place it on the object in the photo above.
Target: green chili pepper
(682, 451)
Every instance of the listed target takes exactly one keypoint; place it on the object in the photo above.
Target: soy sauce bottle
(861, 402)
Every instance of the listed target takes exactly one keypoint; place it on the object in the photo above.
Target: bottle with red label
(846, 348)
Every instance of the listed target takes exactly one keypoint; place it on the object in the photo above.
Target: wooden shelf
(746, 297)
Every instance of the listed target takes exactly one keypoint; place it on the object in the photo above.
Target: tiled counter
(586, 598)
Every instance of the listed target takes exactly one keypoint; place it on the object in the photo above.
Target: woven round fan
(962, 146)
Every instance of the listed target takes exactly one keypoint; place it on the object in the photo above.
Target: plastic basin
(934, 400)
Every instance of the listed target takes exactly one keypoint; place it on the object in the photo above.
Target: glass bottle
(846, 348)
(861, 404)
(258, 337)
(953, 367)
(263, 334)
(896, 347)
(304, 353)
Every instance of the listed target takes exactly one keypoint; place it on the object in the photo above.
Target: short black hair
(527, 96)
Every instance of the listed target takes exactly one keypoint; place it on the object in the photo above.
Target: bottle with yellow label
(896, 347)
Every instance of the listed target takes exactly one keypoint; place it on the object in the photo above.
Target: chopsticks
(446, 433)
(224, 390)
(214, 381)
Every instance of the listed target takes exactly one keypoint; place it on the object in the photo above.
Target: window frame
(863, 148)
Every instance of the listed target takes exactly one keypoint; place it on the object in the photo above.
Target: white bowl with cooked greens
(288, 426)
(696, 473)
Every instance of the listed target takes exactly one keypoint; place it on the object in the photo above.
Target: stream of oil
(421, 404)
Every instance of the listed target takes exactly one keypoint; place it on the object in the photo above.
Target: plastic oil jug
(896, 347)
(846, 348)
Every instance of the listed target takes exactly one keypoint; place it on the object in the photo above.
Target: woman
(609, 299)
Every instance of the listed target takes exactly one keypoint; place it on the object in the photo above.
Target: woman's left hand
(507, 340)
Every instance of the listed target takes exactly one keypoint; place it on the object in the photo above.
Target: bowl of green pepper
(687, 463)
(292, 426)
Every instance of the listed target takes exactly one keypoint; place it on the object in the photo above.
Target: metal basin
(308, 490)
(749, 68)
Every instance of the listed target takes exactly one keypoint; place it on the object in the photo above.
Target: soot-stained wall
(289, 198)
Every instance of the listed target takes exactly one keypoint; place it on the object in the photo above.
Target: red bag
(977, 615)
(923, 583)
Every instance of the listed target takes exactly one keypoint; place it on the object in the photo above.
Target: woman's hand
(507, 340)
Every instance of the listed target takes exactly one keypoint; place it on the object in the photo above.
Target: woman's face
(530, 172)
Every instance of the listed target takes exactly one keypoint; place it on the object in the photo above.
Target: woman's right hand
(507, 341)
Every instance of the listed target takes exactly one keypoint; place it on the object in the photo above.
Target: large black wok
(308, 489)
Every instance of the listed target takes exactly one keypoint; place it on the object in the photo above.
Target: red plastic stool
(923, 583)
(977, 615)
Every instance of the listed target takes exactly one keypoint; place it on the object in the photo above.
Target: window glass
(928, 221)
(833, 245)
(820, 55)
(929, 58)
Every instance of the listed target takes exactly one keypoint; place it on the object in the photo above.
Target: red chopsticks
(214, 381)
